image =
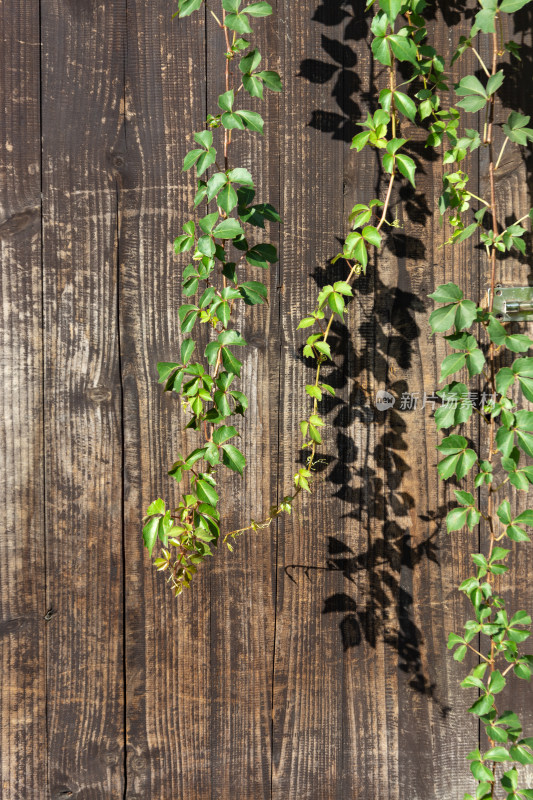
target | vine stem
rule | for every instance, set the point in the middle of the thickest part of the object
(354, 269)
(491, 350)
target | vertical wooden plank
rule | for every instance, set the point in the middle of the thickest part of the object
(379, 576)
(514, 198)
(435, 731)
(308, 733)
(83, 68)
(243, 583)
(198, 669)
(22, 596)
(167, 640)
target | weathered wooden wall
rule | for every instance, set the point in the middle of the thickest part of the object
(310, 664)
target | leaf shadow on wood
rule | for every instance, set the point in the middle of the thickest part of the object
(370, 481)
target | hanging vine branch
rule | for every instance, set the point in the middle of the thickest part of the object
(188, 532)
(222, 255)
(480, 342)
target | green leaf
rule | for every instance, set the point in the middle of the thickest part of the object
(510, 6)
(472, 103)
(241, 175)
(381, 52)
(456, 519)
(403, 48)
(504, 512)
(157, 507)
(165, 369)
(258, 10)
(206, 160)
(407, 167)
(520, 754)
(504, 379)
(191, 158)
(187, 349)
(271, 80)
(206, 492)
(447, 293)
(253, 85)
(252, 120)
(150, 533)
(231, 363)
(232, 121)
(253, 292)
(443, 318)
(260, 255)
(497, 754)
(233, 458)
(238, 23)
(516, 129)
(222, 434)
(391, 8)
(480, 771)
(251, 61)
(466, 314)
(231, 338)
(215, 184)
(336, 303)
(226, 100)
(475, 361)
(371, 235)
(461, 236)
(496, 684)
(228, 229)
(451, 364)
(470, 85)
(494, 82)
(187, 7)
(482, 706)
(207, 223)
(205, 138)
(405, 105)
(526, 517)
(227, 198)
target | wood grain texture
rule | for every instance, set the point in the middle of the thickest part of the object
(167, 642)
(82, 120)
(241, 645)
(308, 737)
(311, 662)
(22, 595)
(514, 192)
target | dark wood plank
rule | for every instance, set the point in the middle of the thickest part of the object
(388, 724)
(514, 193)
(435, 731)
(308, 731)
(22, 596)
(83, 70)
(243, 583)
(167, 640)
(212, 739)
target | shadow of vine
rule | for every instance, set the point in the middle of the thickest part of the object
(371, 482)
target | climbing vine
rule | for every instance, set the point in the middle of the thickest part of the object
(488, 352)
(413, 83)
(207, 389)
(217, 282)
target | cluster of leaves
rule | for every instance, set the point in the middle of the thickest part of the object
(477, 339)
(399, 38)
(221, 275)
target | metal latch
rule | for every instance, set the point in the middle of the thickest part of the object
(513, 303)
